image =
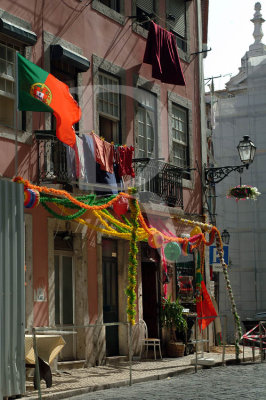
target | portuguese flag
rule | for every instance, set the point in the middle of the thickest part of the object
(40, 91)
(205, 308)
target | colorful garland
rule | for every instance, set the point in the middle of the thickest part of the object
(134, 231)
(132, 260)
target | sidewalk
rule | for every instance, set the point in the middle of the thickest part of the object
(75, 382)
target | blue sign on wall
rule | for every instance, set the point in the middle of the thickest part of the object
(214, 257)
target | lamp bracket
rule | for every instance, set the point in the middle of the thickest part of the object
(216, 175)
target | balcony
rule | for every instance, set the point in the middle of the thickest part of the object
(155, 180)
(52, 167)
(159, 182)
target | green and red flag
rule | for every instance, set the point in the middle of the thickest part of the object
(205, 307)
(38, 90)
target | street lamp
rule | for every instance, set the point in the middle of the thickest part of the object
(225, 236)
(246, 150)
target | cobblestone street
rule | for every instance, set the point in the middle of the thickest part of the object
(246, 381)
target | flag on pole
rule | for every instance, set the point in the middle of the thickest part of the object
(205, 307)
(38, 90)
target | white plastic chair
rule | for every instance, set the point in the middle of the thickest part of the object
(149, 342)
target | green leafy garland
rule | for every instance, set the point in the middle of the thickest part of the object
(132, 259)
(89, 199)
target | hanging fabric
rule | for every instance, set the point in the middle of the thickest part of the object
(104, 153)
(161, 52)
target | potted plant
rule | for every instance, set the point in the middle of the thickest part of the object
(243, 192)
(172, 319)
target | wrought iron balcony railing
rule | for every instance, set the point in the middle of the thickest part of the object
(52, 163)
(159, 182)
(156, 180)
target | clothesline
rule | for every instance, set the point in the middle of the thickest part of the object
(98, 164)
(161, 19)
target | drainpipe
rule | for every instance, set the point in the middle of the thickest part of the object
(203, 125)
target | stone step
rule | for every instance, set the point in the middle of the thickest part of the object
(206, 362)
(73, 364)
(116, 360)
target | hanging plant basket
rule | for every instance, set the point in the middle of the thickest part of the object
(243, 192)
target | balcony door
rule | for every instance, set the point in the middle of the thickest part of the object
(64, 300)
(110, 295)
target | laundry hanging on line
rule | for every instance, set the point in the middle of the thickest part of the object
(161, 52)
(95, 161)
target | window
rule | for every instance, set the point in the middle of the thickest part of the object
(176, 21)
(108, 106)
(64, 289)
(144, 8)
(146, 124)
(180, 137)
(113, 4)
(7, 84)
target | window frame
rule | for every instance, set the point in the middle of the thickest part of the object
(110, 12)
(49, 39)
(115, 121)
(65, 76)
(185, 104)
(137, 26)
(116, 80)
(183, 51)
(17, 116)
(102, 66)
(155, 89)
(147, 109)
(180, 143)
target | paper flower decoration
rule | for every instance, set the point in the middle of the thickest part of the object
(195, 231)
(31, 198)
(121, 206)
(155, 240)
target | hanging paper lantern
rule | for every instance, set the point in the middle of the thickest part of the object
(121, 206)
(172, 251)
(31, 198)
(195, 231)
(155, 240)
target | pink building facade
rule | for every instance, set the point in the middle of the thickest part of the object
(97, 48)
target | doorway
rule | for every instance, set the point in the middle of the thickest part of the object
(110, 294)
(150, 271)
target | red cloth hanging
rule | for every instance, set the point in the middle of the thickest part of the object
(161, 52)
(104, 153)
(125, 155)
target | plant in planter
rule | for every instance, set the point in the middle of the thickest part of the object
(172, 318)
(243, 192)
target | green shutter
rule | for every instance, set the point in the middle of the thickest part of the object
(177, 8)
(146, 5)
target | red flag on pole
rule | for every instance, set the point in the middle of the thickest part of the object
(205, 308)
(40, 91)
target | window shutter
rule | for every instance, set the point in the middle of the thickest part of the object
(177, 8)
(145, 5)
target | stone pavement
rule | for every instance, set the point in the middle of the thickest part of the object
(69, 383)
(234, 382)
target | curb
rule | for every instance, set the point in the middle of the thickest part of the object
(89, 389)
